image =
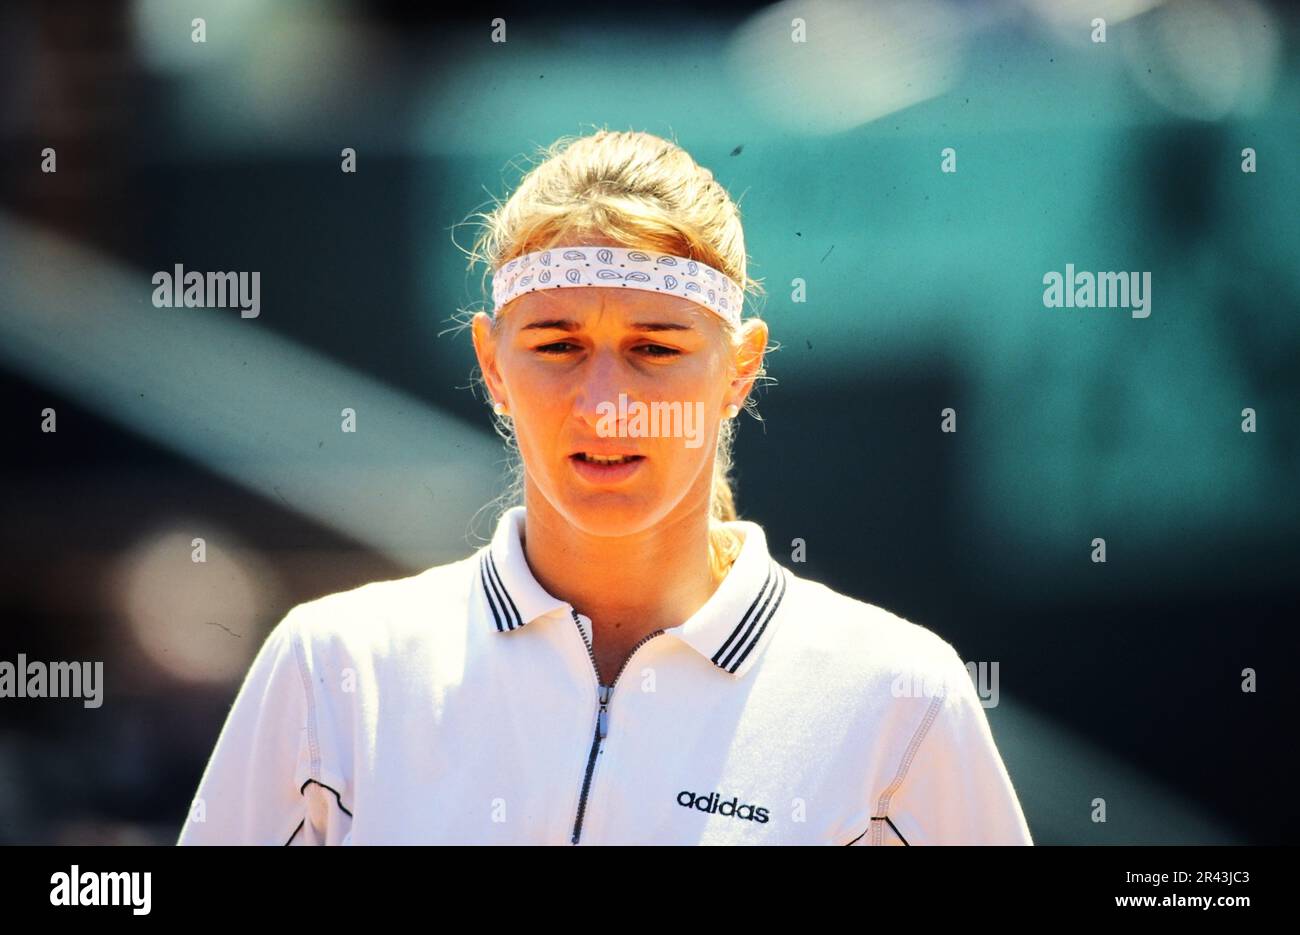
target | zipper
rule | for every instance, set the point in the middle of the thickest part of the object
(604, 693)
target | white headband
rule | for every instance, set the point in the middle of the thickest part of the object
(565, 267)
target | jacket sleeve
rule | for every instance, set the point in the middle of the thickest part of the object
(252, 789)
(955, 789)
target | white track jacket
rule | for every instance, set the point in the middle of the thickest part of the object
(461, 705)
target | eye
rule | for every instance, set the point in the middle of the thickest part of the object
(659, 350)
(558, 347)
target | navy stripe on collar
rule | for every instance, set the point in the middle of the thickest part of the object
(503, 606)
(749, 630)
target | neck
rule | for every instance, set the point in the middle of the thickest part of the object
(629, 586)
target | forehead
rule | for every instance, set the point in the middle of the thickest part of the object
(586, 306)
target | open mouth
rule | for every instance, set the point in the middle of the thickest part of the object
(606, 469)
(588, 458)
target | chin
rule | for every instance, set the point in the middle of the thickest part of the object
(610, 514)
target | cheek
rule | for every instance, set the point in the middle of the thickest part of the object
(537, 390)
(689, 449)
(526, 370)
(699, 378)
(540, 419)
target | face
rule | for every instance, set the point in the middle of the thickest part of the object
(623, 373)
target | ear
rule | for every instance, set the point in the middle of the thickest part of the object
(749, 349)
(485, 348)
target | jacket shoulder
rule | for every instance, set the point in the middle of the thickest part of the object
(838, 617)
(866, 642)
(386, 615)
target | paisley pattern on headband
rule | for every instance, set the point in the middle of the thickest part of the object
(566, 267)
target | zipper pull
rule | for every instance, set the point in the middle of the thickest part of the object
(602, 719)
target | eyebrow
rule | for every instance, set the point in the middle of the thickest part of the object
(568, 324)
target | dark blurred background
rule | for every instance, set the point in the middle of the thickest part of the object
(924, 291)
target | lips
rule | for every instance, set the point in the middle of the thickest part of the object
(607, 468)
(593, 457)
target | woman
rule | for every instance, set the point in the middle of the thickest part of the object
(625, 661)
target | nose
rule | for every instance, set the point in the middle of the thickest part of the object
(601, 381)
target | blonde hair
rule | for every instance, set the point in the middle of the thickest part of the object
(639, 191)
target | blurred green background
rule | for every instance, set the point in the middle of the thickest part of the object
(924, 291)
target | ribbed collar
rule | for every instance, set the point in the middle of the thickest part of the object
(731, 630)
